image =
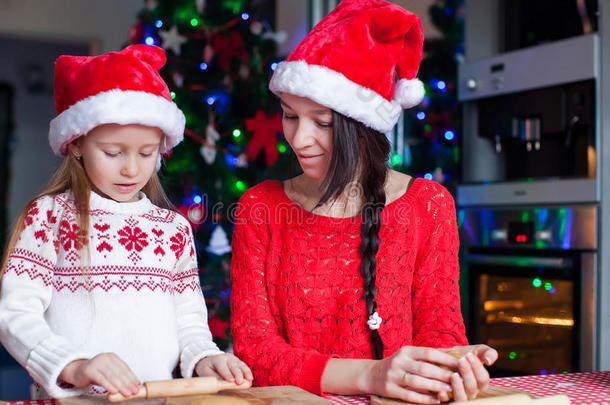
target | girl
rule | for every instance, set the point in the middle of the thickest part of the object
(345, 278)
(100, 284)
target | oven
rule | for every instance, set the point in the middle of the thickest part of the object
(531, 276)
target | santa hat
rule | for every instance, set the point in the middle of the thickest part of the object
(114, 88)
(348, 63)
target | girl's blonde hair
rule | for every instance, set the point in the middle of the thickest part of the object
(71, 175)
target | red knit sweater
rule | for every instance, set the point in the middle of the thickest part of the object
(297, 288)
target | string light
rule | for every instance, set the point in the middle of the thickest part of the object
(172, 94)
(158, 23)
(203, 66)
(273, 66)
(245, 16)
(428, 176)
(197, 199)
(281, 148)
(211, 100)
(194, 22)
(149, 41)
(548, 286)
(449, 135)
(240, 185)
(236, 133)
(537, 282)
(421, 115)
(396, 159)
(231, 160)
(512, 355)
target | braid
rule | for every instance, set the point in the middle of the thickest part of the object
(373, 181)
(359, 149)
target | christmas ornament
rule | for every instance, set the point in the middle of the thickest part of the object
(219, 243)
(439, 122)
(264, 130)
(208, 151)
(208, 53)
(136, 33)
(242, 160)
(439, 175)
(244, 71)
(151, 4)
(200, 5)
(178, 79)
(279, 37)
(256, 27)
(172, 40)
(194, 213)
(228, 47)
(218, 327)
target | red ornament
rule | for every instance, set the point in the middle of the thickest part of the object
(195, 213)
(136, 33)
(264, 130)
(439, 123)
(228, 47)
(218, 327)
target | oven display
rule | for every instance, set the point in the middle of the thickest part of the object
(521, 232)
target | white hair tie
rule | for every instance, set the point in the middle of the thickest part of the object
(374, 321)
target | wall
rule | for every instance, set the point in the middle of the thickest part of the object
(106, 22)
(36, 32)
(292, 17)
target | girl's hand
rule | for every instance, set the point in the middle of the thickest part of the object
(105, 369)
(472, 377)
(413, 374)
(225, 366)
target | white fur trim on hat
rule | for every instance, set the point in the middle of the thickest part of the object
(408, 93)
(117, 107)
(332, 89)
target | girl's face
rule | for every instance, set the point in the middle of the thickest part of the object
(308, 128)
(119, 159)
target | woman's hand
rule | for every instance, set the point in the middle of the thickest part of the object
(106, 369)
(225, 366)
(471, 377)
(413, 374)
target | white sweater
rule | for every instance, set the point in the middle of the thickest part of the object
(140, 298)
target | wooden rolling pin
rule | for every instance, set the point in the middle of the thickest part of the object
(181, 387)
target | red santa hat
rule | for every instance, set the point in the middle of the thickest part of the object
(349, 61)
(114, 88)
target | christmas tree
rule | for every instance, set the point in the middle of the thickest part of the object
(221, 54)
(220, 57)
(432, 128)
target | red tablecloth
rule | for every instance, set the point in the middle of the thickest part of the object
(581, 388)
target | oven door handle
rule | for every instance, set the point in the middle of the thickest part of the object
(520, 261)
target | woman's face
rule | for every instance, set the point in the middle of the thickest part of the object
(119, 159)
(308, 128)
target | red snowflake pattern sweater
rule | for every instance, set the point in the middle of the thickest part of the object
(297, 289)
(139, 297)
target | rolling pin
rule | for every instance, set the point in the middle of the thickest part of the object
(181, 387)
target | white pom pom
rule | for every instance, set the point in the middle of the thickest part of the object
(408, 93)
(374, 321)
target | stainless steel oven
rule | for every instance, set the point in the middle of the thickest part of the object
(531, 274)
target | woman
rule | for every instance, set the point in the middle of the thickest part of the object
(345, 278)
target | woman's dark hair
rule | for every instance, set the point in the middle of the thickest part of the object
(361, 154)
